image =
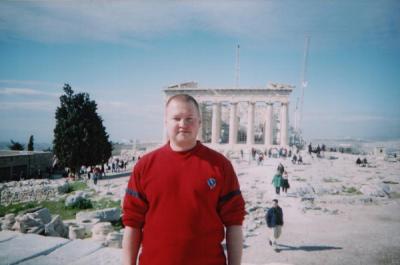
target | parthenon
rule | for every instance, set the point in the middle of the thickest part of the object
(240, 117)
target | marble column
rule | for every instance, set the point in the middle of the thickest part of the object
(250, 123)
(268, 125)
(164, 133)
(200, 133)
(284, 124)
(216, 123)
(233, 124)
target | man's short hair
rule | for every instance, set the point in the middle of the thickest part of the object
(184, 98)
(275, 200)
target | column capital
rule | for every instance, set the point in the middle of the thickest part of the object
(284, 103)
(233, 102)
(269, 103)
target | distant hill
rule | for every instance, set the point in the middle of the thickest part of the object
(37, 146)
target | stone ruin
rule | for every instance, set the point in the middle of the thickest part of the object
(31, 190)
(96, 225)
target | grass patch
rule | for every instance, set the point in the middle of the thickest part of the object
(106, 203)
(58, 207)
(117, 225)
(352, 190)
(16, 208)
(76, 185)
(82, 204)
(79, 185)
(55, 207)
(394, 195)
(330, 180)
(300, 179)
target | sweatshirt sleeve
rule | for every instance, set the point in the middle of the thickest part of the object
(135, 204)
(231, 203)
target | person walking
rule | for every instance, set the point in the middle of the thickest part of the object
(277, 182)
(96, 175)
(281, 168)
(285, 182)
(275, 222)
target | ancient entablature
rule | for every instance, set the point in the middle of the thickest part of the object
(271, 103)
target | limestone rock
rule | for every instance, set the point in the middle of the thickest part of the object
(88, 224)
(8, 222)
(104, 215)
(56, 227)
(374, 191)
(101, 230)
(63, 188)
(44, 215)
(73, 199)
(29, 223)
(114, 239)
(76, 232)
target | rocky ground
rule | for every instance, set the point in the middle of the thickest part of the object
(335, 213)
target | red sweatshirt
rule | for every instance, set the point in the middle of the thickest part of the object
(182, 201)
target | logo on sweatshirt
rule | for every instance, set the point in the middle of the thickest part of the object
(211, 183)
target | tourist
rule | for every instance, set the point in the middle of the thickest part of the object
(285, 182)
(181, 197)
(275, 222)
(277, 182)
(280, 169)
(257, 158)
(260, 158)
(96, 175)
(358, 161)
(294, 159)
(300, 160)
(241, 153)
(310, 150)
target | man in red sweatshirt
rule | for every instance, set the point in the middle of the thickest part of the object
(183, 199)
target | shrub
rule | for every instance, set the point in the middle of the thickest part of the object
(82, 203)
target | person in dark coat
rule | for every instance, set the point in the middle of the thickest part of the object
(285, 182)
(274, 220)
(281, 168)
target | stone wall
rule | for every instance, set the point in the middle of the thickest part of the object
(30, 190)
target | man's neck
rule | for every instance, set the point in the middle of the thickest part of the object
(182, 148)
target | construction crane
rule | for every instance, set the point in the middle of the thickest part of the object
(303, 84)
(237, 67)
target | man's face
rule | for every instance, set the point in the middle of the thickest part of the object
(182, 122)
(274, 204)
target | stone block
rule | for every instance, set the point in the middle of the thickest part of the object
(76, 232)
(114, 239)
(104, 215)
(104, 256)
(56, 227)
(101, 230)
(24, 247)
(72, 251)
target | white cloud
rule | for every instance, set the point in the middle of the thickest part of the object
(128, 111)
(26, 92)
(348, 117)
(133, 22)
(29, 105)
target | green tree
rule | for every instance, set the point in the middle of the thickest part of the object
(79, 135)
(16, 146)
(30, 143)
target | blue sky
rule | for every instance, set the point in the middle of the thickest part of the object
(124, 53)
